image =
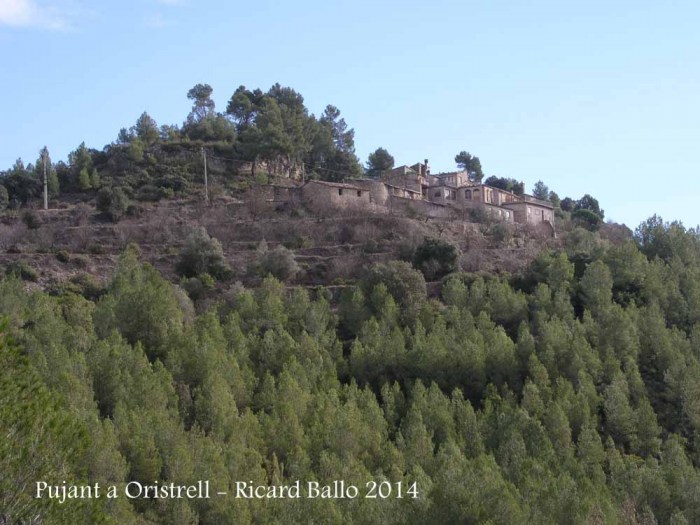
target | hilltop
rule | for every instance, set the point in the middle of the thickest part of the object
(147, 187)
(71, 243)
(301, 317)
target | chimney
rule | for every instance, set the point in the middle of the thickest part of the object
(427, 167)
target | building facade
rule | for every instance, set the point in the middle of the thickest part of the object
(320, 195)
(416, 188)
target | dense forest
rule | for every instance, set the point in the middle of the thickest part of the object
(566, 393)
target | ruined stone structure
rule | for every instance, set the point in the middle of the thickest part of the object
(409, 178)
(414, 188)
(454, 189)
(320, 195)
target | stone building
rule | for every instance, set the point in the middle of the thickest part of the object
(530, 210)
(416, 178)
(380, 192)
(453, 178)
(415, 188)
(454, 189)
(319, 195)
(405, 177)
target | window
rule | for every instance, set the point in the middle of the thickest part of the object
(438, 194)
(468, 194)
(340, 191)
(359, 193)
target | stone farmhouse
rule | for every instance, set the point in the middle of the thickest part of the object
(441, 195)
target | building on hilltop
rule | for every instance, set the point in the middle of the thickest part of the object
(530, 210)
(452, 178)
(456, 190)
(414, 187)
(416, 178)
(320, 195)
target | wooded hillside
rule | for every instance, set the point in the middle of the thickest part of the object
(565, 393)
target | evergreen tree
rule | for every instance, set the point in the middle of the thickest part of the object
(378, 162)
(470, 164)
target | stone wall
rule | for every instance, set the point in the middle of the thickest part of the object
(378, 192)
(421, 207)
(531, 213)
(320, 196)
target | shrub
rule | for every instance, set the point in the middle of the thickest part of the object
(207, 281)
(135, 210)
(435, 258)
(197, 287)
(278, 262)
(298, 242)
(63, 256)
(63, 288)
(4, 198)
(262, 178)
(193, 287)
(202, 254)
(112, 202)
(152, 193)
(406, 285)
(22, 270)
(148, 192)
(500, 232)
(89, 286)
(174, 180)
(478, 215)
(31, 220)
(81, 261)
(586, 218)
(81, 214)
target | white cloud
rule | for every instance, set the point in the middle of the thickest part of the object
(27, 13)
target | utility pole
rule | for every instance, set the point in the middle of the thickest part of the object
(44, 156)
(206, 182)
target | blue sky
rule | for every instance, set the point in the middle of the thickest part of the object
(590, 96)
